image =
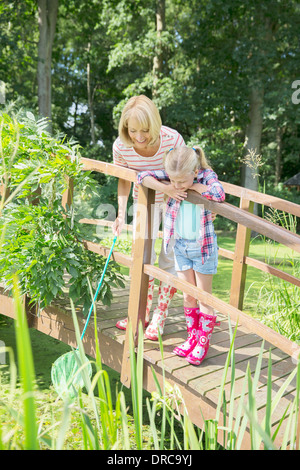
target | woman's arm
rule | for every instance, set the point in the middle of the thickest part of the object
(124, 187)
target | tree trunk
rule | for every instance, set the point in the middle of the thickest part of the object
(158, 58)
(253, 139)
(47, 16)
(90, 98)
(278, 166)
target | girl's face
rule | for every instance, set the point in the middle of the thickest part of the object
(139, 135)
(183, 182)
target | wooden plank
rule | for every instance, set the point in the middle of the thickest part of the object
(198, 385)
(102, 250)
(131, 175)
(281, 367)
(262, 266)
(109, 169)
(253, 222)
(6, 304)
(261, 198)
(271, 270)
(226, 253)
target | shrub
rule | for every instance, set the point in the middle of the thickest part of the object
(41, 240)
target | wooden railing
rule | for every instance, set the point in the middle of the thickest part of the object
(141, 269)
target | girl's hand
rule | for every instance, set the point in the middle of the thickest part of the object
(176, 194)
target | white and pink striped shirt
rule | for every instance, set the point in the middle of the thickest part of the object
(128, 157)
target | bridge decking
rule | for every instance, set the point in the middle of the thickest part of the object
(199, 385)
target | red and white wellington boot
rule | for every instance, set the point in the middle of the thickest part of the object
(160, 313)
(122, 324)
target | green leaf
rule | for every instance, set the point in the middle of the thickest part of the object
(66, 375)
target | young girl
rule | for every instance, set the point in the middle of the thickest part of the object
(195, 250)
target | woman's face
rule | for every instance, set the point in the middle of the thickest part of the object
(139, 135)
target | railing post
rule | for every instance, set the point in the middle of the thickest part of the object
(239, 269)
(31, 312)
(141, 254)
(67, 197)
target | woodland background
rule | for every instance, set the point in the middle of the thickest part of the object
(225, 74)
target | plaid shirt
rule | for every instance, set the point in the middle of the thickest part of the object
(215, 192)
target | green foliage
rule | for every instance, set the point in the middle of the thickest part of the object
(212, 54)
(42, 241)
(27, 373)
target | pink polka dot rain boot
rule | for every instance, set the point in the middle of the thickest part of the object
(206, 326)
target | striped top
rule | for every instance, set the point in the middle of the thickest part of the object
(128, 157)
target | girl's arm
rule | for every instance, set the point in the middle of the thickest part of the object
(209, 186)
(159, 181)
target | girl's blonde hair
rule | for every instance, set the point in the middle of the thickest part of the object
(146, 113)
(184, 160)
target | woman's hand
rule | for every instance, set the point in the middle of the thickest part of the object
(117, 226)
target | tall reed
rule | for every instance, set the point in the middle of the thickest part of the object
(105, 426)
(279, 301)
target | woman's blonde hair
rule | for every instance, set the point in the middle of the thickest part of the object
(184, 160)
(146, 113)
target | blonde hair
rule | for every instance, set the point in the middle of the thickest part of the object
(184, 160)
(144, 110)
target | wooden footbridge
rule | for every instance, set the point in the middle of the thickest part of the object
(200, 386)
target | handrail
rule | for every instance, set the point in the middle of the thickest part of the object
(234, 190)
(103, 251)
(261, 198)
(109, 169)
(253, 222)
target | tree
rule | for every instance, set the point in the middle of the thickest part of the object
(47, 16)
(18, 45)
(158, 60)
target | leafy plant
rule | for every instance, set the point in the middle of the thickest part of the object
(279, 300)
(41, 240)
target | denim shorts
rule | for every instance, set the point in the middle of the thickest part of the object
(188, 256)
